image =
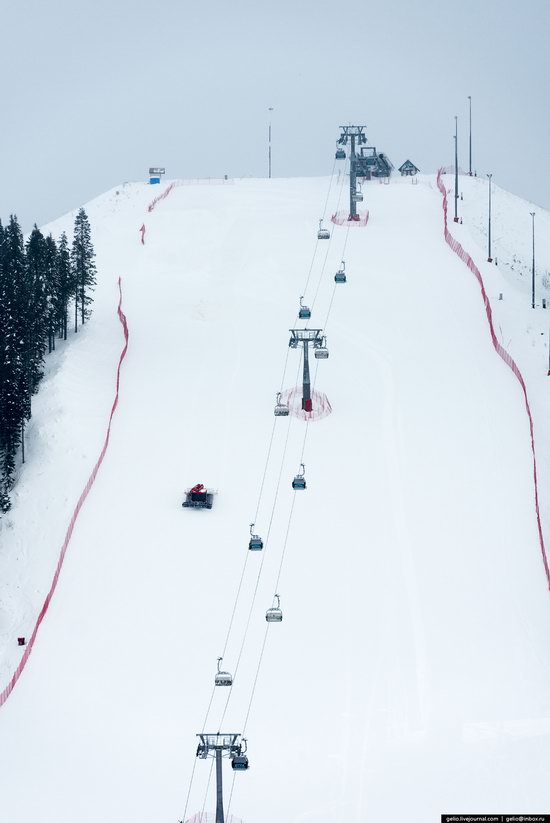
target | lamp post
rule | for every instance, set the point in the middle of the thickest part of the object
(470, 158)
(456, 170)
(269, 143)
(532, 213)
(489, 258)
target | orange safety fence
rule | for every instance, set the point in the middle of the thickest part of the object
(502, 353)
(30, 645)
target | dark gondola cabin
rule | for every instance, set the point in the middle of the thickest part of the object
(239, 763)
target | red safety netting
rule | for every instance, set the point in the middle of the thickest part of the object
(160, 197)
(501, 351)
(341, 218)
(29, 647)
(320, 404)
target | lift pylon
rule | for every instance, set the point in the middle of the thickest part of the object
(222, 745)
(305, 337)
(356, 135)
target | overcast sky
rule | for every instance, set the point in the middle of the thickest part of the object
(96, 91)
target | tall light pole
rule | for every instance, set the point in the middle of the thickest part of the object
(456, 169)
(470, 163)
(269, 143)
(489, 258)
(532, 213)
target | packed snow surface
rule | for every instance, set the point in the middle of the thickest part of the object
(410, 675)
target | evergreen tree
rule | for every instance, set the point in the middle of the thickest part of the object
(83, 266)
(35, 299)
(37, 282)
(12, 398)
(65, 285)
(52, 290)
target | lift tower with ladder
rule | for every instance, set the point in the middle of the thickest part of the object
(356, 135)
(305, 337)
(222, 745)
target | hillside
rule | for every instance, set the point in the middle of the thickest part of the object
(410, 674)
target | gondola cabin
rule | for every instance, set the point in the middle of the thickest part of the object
(274, 614)
(281, 409)
(255, 544)
(323, 234)
(299, 481)
(304, 312)
(222, 678)
(340, 276)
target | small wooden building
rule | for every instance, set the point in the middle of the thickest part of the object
(408, 169)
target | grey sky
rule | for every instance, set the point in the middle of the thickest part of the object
(94, 92)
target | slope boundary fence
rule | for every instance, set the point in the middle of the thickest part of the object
(203, 181)
(210, 817)
(153, 204)
(81, 500)
(341, 218)
(502, 353)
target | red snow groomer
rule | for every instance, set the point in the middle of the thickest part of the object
(198, 497)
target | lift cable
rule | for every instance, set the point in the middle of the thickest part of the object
(231, 794)
(267, 625)
(329, 187)
(267, 537)
(304, 290)
(266, 632)
(207, 787)
(335, 286)
(328, 250)
(258, 576)
(189, 789)
(235, 606)
(286, 535)
(247, 551)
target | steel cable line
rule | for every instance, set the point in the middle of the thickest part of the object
(266, 465)
(207, 787)
(280, 474)
(336, 284)
(289, 522)
(267, 536)
(231, 794)
(256, 586)
(236, 602)
(323, 217)
(311, 266)
(189, 789)
(195, 758)
(328, 247)
(329, 187)
(267, 625)
(258, 577)
(264, 643)
(247, 551)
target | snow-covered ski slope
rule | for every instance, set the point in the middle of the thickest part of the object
(411, 673)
